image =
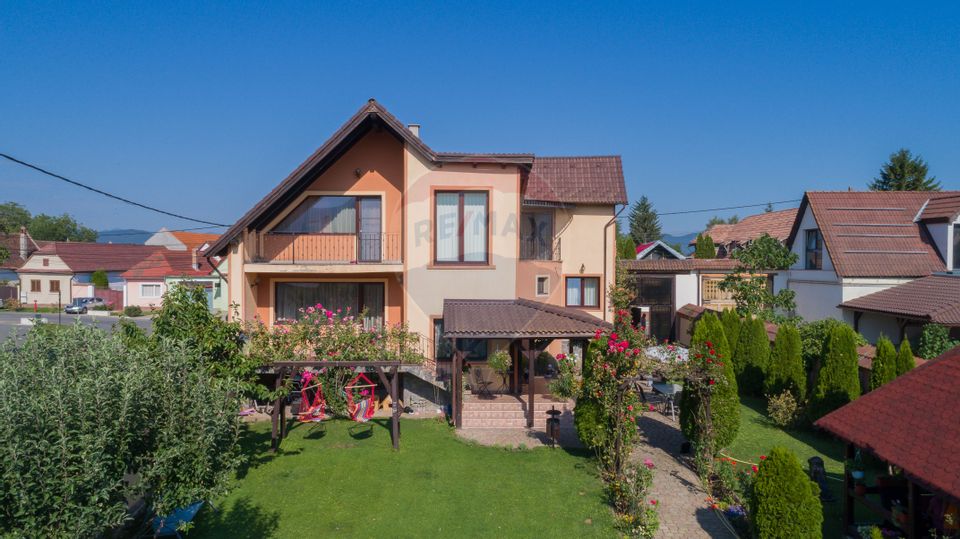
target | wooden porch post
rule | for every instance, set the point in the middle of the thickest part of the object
(530, 371)
(456, 389)
(847, 489)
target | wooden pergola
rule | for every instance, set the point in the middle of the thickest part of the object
(284, 370)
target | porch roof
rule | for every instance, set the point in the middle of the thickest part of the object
(516, 319)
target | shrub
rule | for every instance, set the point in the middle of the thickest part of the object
(905, 361)
(838, 382)
(884, 368)
(935, 340)
(725, 404)
(751, 356)
(500, 362)
(132, 310)
(786, 372)
(636, 516)
(813, 340)
(99, 279)
(705, 248)
(566, 385)
(731, 326)
(785, 503)
(588, 419)
(782, 409)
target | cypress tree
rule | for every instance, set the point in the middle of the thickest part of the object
(731, 326)
(705, 248)
(786, 372)
(785, 502)
(751, 357)
(884, 368)
(839, 380)
(724, 405)
(905, 360)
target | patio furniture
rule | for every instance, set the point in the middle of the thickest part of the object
(482, 384)
(670, 394)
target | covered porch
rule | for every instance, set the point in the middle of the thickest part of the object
(528, 327)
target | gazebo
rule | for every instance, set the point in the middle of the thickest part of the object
(530, 323)
(910, 423)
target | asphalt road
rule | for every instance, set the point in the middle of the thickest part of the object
(10, 321)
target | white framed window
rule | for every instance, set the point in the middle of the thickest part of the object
(543, 285)
(461, 227)
(151, 290)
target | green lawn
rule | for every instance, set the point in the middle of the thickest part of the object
(343, 480)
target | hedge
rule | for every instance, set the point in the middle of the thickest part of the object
(731, 326)
(725, 405)
(905, 361)
(786, 372)
(785, 503)
(838, 381)
(751, 357)
(884, 368)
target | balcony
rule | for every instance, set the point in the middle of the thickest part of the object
(540, 249)
(325, 249)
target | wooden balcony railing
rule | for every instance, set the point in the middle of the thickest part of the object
(540, 249)
(363, 248)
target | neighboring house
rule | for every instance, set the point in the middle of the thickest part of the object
(19, 247)
(851, 244)
(657, 250)
(147, 282)
(377, 220)
(176, 240)
(729, 238)
(60, 271)
(213, 283)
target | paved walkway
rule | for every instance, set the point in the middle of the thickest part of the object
(683, 510)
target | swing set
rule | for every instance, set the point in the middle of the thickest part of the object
(361, 406)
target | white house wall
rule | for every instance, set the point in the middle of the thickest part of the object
(872, 326)
(686, 290)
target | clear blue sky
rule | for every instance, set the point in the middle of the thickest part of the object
(201, 108)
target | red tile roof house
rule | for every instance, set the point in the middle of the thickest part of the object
(19, 247)
(910, 423)
(854, 244)
(178, 240)
(60, 271)
(376, 219)
(147, 281)
(728, 238)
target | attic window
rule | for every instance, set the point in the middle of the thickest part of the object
(956, 247)
(46, 261)
(814, 250)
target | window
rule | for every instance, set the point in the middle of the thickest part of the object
(150, 290)
(54, 285)
(35, 285)
(536, 236)
(46, 262)
(292, 297)
(460, 228)
(332, 215)
(583, 291)
(814, 250)
(956, 248)
(475, 349)
(543, 285)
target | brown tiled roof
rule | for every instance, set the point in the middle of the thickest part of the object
(11, 242)
(194, 240)
(873, 233)
(935, 298)
(691, 311)
(577, 180)
(88, 257)
(944, 207)
(166, 263)
(910, 423)
(515, 318)
(669, 265)
(775, 223)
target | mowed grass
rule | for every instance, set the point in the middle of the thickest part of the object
(341, 479)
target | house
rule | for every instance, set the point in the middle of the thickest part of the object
(60, 271)
(730, 237)
(148, 280)
(657, 250)
(178, 240)
(852, 244)
(19, 247)
(377, 220)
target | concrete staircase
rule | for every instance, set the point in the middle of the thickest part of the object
(507, 412)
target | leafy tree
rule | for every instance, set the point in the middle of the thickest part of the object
(785, 503)
(4, 254)
(731, 326)
(905, 361)
(749, 283)
(644, 222)
(935, 340)
(705, 247)
(752, 356)
(884, 368)
(786, 372)
(904, 172)
(12, 217)
(63, 228)
(838, 382)
(100, 279)
(725, 403)
(626, 248)
(717, 220)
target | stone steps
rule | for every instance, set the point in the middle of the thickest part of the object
(508, 413)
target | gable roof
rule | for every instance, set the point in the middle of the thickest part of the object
(194, 240)
(873, 233)
(167, 263)
(11, 242)
(577, 180)
(935, 298)
(646, 248)
(666, 265)
(910, 423)
(515, 318)
(775, 223)
(88, 257)
(944, 207)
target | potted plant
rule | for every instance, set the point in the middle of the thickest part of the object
(501, 363)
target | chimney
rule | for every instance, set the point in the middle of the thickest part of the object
(415, 129)
(24, 246)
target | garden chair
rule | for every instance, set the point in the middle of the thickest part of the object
(483, 385)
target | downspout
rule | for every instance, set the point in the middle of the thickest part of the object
(605, 228)
(216, 269)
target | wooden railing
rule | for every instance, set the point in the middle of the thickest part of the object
(540, 249)
(364, 248)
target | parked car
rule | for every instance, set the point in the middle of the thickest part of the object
(82, 305)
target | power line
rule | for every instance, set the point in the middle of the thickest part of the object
(104, 193)
(728, 207)
(142, 232)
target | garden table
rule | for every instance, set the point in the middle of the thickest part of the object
(669, 391)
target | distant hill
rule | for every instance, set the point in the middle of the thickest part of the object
(123, 235)
(682, 239)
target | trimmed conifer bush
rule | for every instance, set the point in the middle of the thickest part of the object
(786, 371)
(838, 382)
(731, 326)
(704, 247)
(905, 361)
(725, 404)
(785, 502)
(884, 368)
(751, 357)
